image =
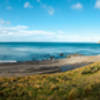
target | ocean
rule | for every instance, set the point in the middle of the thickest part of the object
(33, 51)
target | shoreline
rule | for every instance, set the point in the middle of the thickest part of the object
(46, 66)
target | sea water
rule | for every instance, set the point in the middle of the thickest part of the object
(32, 51)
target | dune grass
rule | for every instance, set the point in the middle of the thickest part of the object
(79, 84)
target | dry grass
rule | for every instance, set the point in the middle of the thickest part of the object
(79, 84)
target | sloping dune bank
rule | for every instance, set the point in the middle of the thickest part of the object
(78, 84)
(49, 66)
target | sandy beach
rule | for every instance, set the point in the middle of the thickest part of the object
(47, 66)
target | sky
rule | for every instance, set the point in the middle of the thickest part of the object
(49, 20)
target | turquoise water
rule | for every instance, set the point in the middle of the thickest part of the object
(42, 51)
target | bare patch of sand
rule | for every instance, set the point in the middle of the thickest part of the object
(49, 66)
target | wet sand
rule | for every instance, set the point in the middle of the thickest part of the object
(47, 66)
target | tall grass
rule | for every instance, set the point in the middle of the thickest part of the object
(79, 84)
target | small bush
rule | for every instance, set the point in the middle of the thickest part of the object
(91, 70)
(86, 71)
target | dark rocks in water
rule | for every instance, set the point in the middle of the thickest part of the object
(61, 54)
(52, 58)
(73, 55)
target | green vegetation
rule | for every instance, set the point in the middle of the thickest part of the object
(79, 84)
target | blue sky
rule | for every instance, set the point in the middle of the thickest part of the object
(50, 20)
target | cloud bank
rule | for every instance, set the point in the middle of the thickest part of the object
(23, 33)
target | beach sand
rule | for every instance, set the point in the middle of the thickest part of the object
(47, 66)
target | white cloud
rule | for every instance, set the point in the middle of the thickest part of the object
(60, 32)
(27, 5)
(3, 22)
(13, 28)
(9, 8)
(77, 6)
(97, 5)
(51, 10)
(22, 27)
(23, 33)
(21, 30)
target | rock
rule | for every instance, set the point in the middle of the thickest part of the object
(73, 55)
(61, 54)
(52, 57)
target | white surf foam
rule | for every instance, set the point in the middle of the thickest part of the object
(8, 61)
